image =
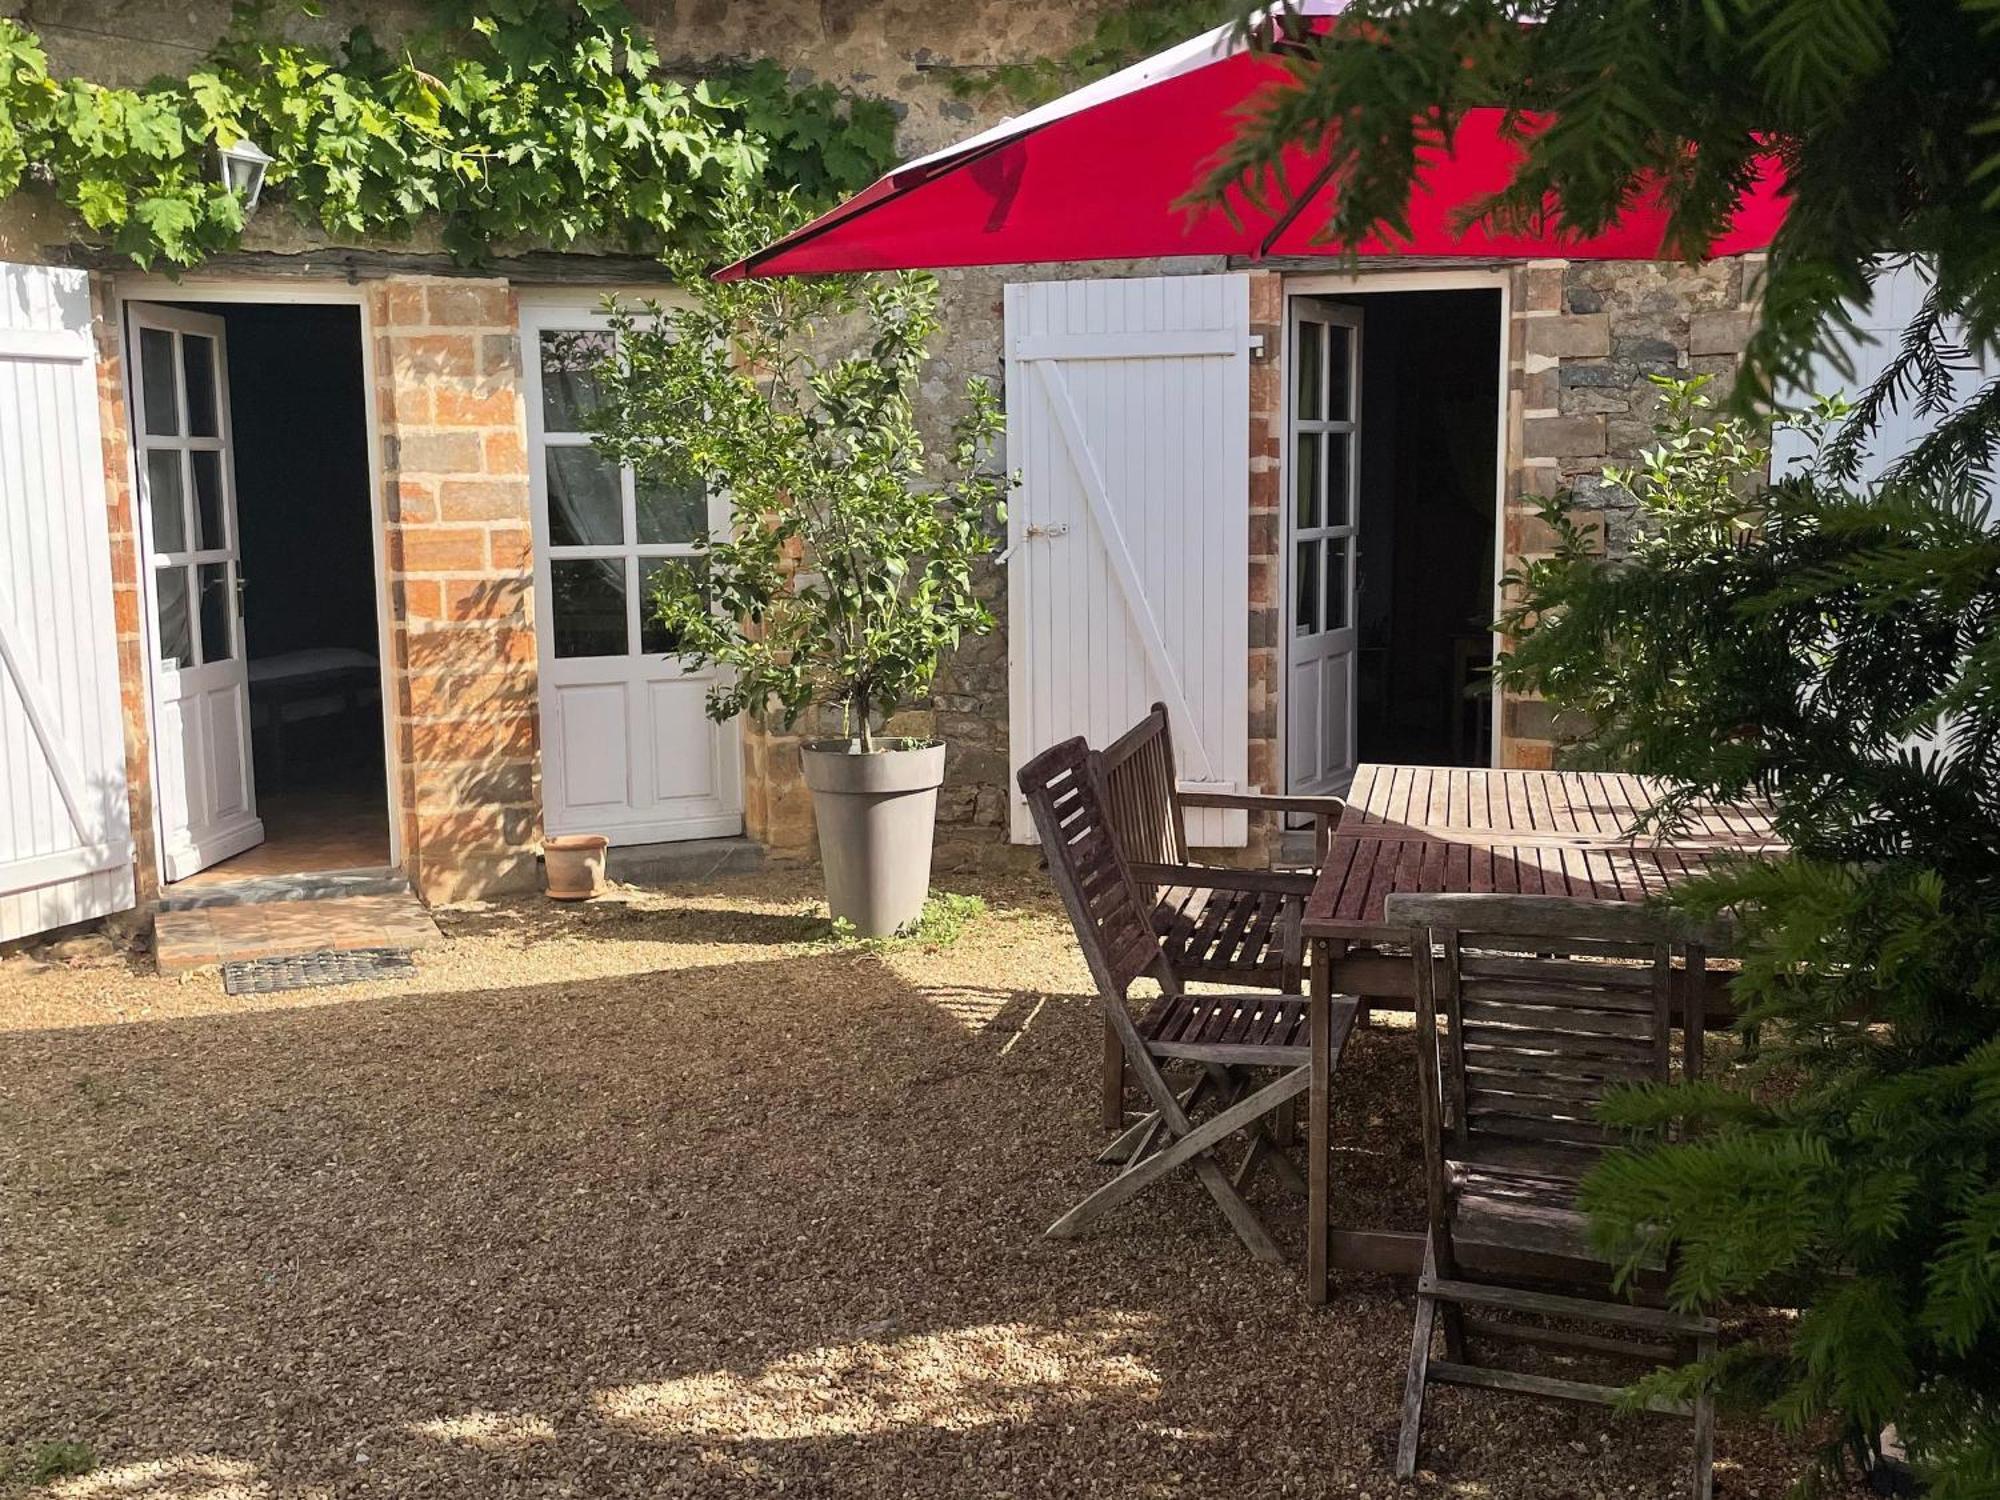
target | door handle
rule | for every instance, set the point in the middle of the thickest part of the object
(1034, 530)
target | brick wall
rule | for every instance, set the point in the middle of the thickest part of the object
(460, 557)
(1267, 529)
(1583, 340)
(134, 667)
(777, 807)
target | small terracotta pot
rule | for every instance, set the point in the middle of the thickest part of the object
(573, 865)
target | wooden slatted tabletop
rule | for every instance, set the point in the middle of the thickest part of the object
(1556, 833)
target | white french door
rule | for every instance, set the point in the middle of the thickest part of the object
(187, 519)
(1323, 456)
(628, 749)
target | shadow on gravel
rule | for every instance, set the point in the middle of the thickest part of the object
(758, 1229)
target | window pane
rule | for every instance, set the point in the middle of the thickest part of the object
(1341, 340)
(1311, 351)
(163, 488)
(198, 356)
(1305, 589)
(670, 512)
(1336, 584)
(218, 641)
(1336, 478)
(569, 384)
(156, 375)
(1305, 478)
(586, 508)
(176, 628)
(677, 574)
(209, 534)
(589, 611)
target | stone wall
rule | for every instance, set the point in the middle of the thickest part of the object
(969, 708)
(909, 51)
(460, 561)
(1586, 339)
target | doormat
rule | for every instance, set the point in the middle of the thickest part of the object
(304, 971)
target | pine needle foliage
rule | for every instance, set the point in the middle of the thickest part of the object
(1835, 648)
(1885, 113)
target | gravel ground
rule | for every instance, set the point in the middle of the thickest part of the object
(664, 1197)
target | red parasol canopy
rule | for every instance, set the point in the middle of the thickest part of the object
(1101, 173)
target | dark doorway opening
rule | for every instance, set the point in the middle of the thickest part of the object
(311, 636)
(1428, 491)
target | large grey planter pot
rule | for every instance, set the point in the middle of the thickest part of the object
(876, 815)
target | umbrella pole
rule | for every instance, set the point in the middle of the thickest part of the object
(1290, 215)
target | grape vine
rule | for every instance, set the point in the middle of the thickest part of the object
(510, 122)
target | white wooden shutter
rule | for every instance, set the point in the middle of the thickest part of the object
(65, 829)
(1898, 297)
(1128, 419)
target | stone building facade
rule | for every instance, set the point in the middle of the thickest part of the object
(452, 431)
(1587, 340)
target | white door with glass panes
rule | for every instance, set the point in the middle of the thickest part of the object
(187, 521)
(1325, 434)
(628, 749)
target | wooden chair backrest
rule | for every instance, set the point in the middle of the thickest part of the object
(1065, 792)
(1546, 1004)
(1141, 794)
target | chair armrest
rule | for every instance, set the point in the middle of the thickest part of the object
(1266, 802)
(1324, 811)
(1224, 878)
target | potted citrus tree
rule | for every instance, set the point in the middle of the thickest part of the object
(848, 570)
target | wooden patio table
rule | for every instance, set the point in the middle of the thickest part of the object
(1426, 828)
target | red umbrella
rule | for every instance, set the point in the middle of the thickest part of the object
(1101, 174)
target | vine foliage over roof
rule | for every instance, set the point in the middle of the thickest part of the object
(1120, 36)
(537, 121)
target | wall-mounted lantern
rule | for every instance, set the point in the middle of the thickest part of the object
(240, 168)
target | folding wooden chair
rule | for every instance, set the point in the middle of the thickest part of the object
(1545, 1005)
(1149, 805)
(1217, 923)
(1226, 1037)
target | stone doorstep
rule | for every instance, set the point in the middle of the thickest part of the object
(690, 859)
(203, 937)
(1295, 849)
(322, 886)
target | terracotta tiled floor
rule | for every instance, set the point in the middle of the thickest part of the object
(273, 929)
(306, 833)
